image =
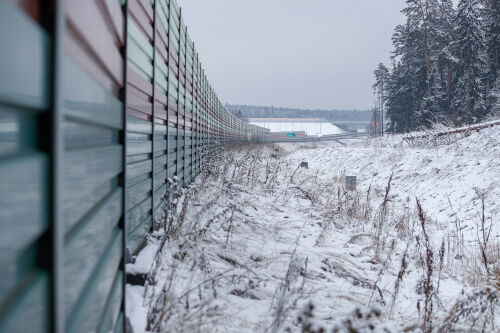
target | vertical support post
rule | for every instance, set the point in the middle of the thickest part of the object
(216, 115)
(212, 113)
(207, 113)
(123, 139)
(185, 78)
(219, 119)
(167, 195)
(211, 117)
(382, 109)
(216, 112)
(52, 12)
(203, 119)
(153, 119)
(177, 155)
(208, 126)
(194, 121)
(199, 114)
(205, 116)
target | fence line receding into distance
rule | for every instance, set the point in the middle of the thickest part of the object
(101, 101)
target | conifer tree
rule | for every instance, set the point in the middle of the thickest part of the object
(408, 82)
(469, 97)
(446, 64)
(494, 97)
(444, 60)
(380, 91)
(432, 109)
(491, 23)
(491, 26)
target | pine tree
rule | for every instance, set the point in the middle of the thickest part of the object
(408, 81)
(422, 51)
(399, 111)
(469, 99)
(491, 23)
(380, 90)
(432, 109)
(436, 21)
(444, 60)
(494, 97)
(420, 17)
(491, 26)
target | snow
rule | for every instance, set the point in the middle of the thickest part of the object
(143, 261)
(136, 307)
(311, 128)
(443, 177)
(258, 242)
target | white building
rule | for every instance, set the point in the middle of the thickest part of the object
(312, 126)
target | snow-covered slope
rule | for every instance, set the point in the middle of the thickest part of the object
(444, 176)
(260, 244)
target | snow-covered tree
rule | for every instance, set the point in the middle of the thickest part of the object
(379, 89)
(400, 111)
(435, 103)
(445, 63)
(432, 109)
(494, 97)
(491, 24)
(469, 97)
(408, 81)
(444, 60)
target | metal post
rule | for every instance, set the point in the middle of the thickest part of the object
(153, 120)
(200, 115)
(178, 92)
(123, 138)
(193, 122)
(53, 13)
(167, 196)
(382, 114)
(185, 77)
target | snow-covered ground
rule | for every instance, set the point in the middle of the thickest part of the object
(260, 244)
(311, 128)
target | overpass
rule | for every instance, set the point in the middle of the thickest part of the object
(353, 126)
(332, 137)
(105, 113)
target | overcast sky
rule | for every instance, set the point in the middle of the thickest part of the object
(293, 53)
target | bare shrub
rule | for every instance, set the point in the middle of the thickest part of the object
(381, 218)
(399, 279)
(428, 267)
(474, 312)
(483, 231)
(289, 291)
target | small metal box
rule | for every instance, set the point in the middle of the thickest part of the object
(350, 183)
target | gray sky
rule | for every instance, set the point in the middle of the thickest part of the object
(293, 53)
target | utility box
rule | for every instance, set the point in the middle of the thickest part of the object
(350, 183)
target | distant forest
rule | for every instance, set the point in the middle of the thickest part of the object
(252, 111)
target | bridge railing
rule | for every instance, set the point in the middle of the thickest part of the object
(101, 103)
(329, 137)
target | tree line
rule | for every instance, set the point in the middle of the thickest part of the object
(445, 66)
(253, 111)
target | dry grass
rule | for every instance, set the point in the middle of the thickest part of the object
(400, 239)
